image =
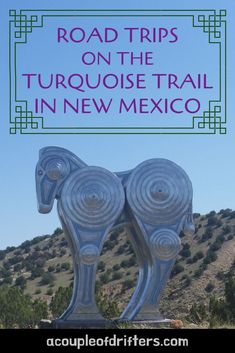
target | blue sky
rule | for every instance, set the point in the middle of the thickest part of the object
(208, 160)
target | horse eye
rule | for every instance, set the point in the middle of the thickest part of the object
(54, 173)
(56, 169)
(40, 172)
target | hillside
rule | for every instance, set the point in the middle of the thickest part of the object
(42, 265)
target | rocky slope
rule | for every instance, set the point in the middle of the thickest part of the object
(43, 264)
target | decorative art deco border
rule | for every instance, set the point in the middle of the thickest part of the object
(23, 121)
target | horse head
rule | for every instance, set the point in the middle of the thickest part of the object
(53, 167)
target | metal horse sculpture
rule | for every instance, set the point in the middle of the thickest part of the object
(154, 203)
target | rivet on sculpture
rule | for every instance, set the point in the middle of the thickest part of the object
(153, 201)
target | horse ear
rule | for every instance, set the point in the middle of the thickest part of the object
(61, 152)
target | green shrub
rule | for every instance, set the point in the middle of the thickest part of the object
(25, 244)
(219, 311)
(65, 266)
(116, 267)
(5, 272)
(211, 214)
(15, 259)
(60, 300)
(62, 296)
(132, 261)
(186, 246)
(47, 278)
(63, 243)
(187, 280)
(185, 253)
(128, 248)
(215, 246)
(37, 272)
(7, 280)
(10, 248)
(205, 237)
(127, 284)
(128, 262)
(101, 266)
(18, 267)
(209, 288)
(230, 294)
(40, 262)
(227, 229)
(109, 245)
(220, 276)
(37, 239)
(223, 310)
(220, 238)
(212, 221)
(117, 275)
(108, 306)
(121, 249)
(199, 255)
(109, 271)
(232, 215)
(20, 282)
(58, 268)
(219, 223)
(210, 257)
(177, 269)
(57, 231)
(62, 252)
(104, 278)
(18, 310)
(225, 213)
(49, 291)
(114, 235)
(125, 263)
(200, 270)
(2, 254)
(6, 265)
(181, 235)
(51, 268)
(198, 313)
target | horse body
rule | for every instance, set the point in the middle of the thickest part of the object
(153, 202)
